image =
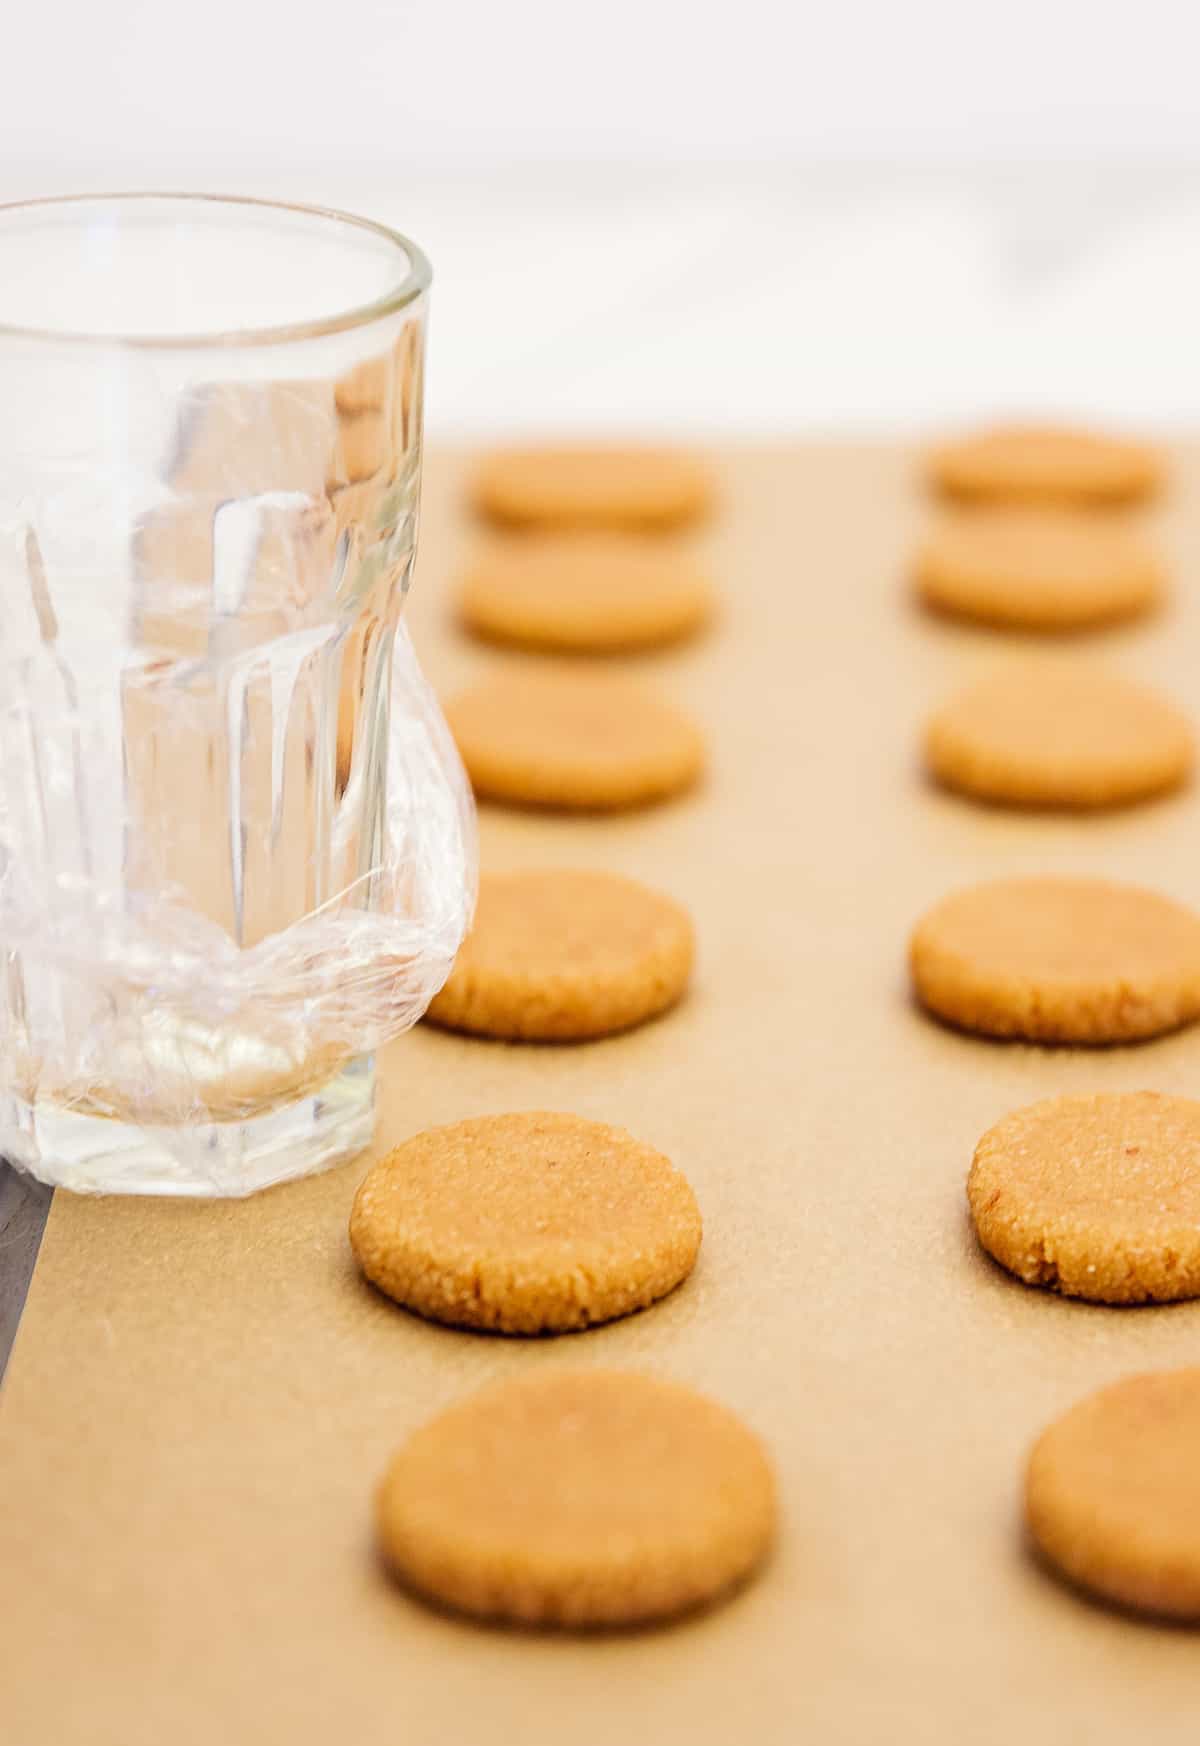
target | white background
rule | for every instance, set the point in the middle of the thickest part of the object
(403, 83)
(754, 215)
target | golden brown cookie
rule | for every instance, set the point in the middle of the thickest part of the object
(1112, 1493)
(1037, 569)
(584, 485)
(1059, 732)
(1098, 1197)
(588, 593)
(1059, 961)
(558, 956)
(525, 1224)
(578, 1497)
(571, 738)
(1030, 463)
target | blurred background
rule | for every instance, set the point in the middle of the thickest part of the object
(754, 217)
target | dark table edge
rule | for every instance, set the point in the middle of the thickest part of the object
(24, 1205)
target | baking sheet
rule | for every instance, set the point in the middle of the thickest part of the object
(202, 1397)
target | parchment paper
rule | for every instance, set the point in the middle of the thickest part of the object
(203, 1396)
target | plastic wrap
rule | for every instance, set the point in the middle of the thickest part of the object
(142, 1011)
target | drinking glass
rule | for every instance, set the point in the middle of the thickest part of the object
(235, 849)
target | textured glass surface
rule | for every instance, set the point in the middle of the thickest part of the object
(235, 845)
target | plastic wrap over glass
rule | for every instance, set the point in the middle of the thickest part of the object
(236, 844)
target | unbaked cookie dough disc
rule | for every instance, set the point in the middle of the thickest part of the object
(1037, 570)
(1029, 463)
(589, 485)
(1058, 732)
(1059, 961)
(561, 956)
(1112, 1494)
(1097, 1197)
(547, 735)
(525, 1224)
(578, 1498)
(589, 593)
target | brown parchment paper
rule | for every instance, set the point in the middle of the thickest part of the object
(203, 1396)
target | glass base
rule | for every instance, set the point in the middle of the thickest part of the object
(96, 1155)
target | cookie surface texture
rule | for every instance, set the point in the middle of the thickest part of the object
(593, 486)
(1112, 1494)
(1059, 960)
(1096, 1196)
(1030, 463)
(1059, 733)
(578, 1498)
(1037, 570)
(560, 956)
(525, 1224)
(548, 736)
(584, 593)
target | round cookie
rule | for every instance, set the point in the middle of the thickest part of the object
(525, 1224)
(572, 739)
(580, 1498)
(593, 486)
(585, 594)
(559, 956)
(1098, 1197)
(1029, 463)
(1050, 732)
(1059, 961)
(1112, 1493)
(1036, 569)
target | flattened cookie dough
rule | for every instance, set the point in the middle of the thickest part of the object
(578, 485)
(584, 593)
(1037, 570)
(578, 1498)
(559, 956)
(1032, 463)
(525, 1224)
(552, 736)
(1098, 1197)
(1112, 1494)
(1059, 961)
(1058, 732)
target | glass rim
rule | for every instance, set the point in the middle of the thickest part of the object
(415, 281)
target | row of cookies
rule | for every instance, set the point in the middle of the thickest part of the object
(581, 1497)
(557, 956)
(1026, 549)
(1097, 1197)
(580, 562)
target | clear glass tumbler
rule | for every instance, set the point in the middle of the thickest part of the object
(210, 451)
